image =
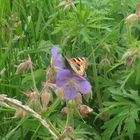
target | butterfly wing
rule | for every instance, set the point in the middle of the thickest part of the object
(77, 65)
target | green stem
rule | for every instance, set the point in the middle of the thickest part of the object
(51, 109)
(51, 126)
(126, 79)
(97, 88)
(129, 33)
(9, 135)
(33, 78)
(71, 107)
(69, 115)
(35, 133)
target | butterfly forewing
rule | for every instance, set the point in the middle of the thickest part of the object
(78, 65)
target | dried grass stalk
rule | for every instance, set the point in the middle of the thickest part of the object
(17, 104)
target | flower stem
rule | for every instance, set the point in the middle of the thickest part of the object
(51, 109)
(70, 113)
(33, 77)
(97, 88)
(70, 106)
(129, 33)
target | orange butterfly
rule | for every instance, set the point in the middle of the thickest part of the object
(77, 65)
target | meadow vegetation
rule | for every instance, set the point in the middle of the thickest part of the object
(106, 32)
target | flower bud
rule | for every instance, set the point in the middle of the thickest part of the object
(131, 19)
(68, 5)
(130, 61)
(65, 110)
(130, 56)
(88, 96)
(69, 129)
(33, 100)
(138, 10)
(60, 93)
(18, 37)
(104, 116)
(45, 97)
(104, 64)
(67, 138)
(24, 66)
(85, 110)
(51, 75)
(20, 113)
(78, 99)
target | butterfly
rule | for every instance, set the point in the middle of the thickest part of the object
(77, 65)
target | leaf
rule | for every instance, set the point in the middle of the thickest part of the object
(137, 81)
(39, 77)
(110, 127)
(125, 112)
(131, 124)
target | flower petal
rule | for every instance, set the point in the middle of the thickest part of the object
(84, 87)
(60, 83)
(70, 93)
(56, 58)
(54, 52)
(63, 74)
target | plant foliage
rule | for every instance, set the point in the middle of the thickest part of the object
(106, 32)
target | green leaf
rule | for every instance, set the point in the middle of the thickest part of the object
(131, 123)
(39, 77)
(110, 127)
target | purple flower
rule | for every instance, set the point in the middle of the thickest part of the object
(72, 83)
(56, 58)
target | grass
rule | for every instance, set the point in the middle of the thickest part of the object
(94, 29)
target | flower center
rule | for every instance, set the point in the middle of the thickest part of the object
(71, 83)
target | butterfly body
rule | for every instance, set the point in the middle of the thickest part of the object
(77, 65)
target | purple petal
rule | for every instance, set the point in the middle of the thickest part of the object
(57, 58)
(54, 52)
(60, 83)
(70, 93)
(84, 87)
(82, 84)
(78, 78)
(63, 74)
(59, 62)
